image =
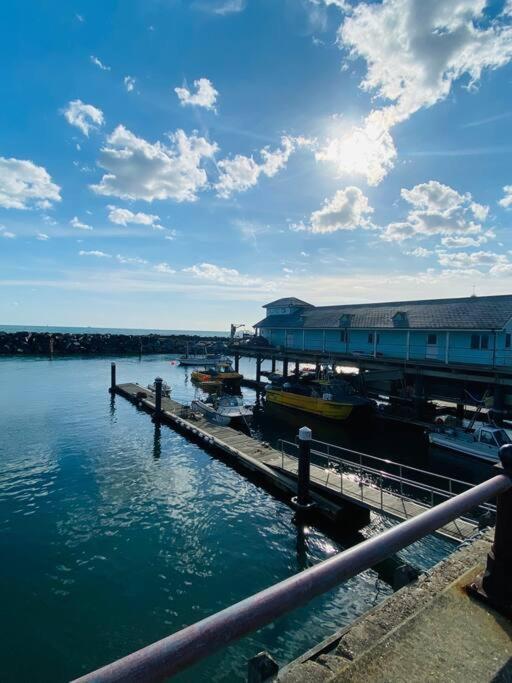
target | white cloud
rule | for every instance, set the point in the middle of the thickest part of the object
(131, 260)
(498, 264)
(129, 83)
(137, 169)
(223, 276)
(414, 50)
(97, 254)
(437, 209)
(164, 268)
(97, 62)
(367, 150)
(6, 233)
(347, 210)
(240, 173)
(125, 216)
(24, 185)
(506, 201)
(221, 7)
(462, 242)
(421, 252)
(86, 117)
(204, 96)
(75, 222)
(42, 236)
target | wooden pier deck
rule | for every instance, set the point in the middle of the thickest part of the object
(334, 494)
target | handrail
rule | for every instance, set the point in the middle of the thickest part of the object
(383, 474)
(174, 653)
(388, 462)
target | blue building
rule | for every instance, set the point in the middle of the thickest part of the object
(472, 331)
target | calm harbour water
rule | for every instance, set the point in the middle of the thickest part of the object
(113, 534)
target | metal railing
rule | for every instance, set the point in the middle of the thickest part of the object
(398, 481)
(172, 654)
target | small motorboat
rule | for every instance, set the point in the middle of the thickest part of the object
(483, 443)
(221, 372)
(166, 389)
(200, 359)
(224, 410)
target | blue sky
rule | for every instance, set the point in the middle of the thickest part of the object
(176, 164)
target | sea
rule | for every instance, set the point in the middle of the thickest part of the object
(109, 330)
(115, 532)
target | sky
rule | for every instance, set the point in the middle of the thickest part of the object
(179, 163)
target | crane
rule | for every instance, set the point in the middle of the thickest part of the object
(234, 328)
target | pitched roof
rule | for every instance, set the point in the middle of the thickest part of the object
(470, 313)
(288, 301)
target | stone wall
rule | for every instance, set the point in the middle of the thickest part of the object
(43, 343)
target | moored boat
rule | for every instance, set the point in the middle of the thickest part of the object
(224, 410)
(483, 443)
(200, 359)
(334, 399)
(166, 389)
(221, 372)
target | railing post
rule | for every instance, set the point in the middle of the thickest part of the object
(112, 378)
(158, 398)
(302, 500)
(495, 585)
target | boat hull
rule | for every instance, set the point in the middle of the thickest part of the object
(331, 410)
(462, 448)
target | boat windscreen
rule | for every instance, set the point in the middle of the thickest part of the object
(502, 437)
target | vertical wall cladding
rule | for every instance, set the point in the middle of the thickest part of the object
(427, 345)
(294, 339)
(314, 340)
(392, 343)
(333, 341)
(265, 332)
(504, 346)
(278, 337)
(361, 341)
(461, 350)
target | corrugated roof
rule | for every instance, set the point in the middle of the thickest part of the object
(287, 301)
(470, 313)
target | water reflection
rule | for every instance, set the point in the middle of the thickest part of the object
(157, 441)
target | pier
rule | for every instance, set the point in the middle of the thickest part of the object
(343, 491)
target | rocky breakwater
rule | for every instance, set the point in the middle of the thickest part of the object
(45, 343)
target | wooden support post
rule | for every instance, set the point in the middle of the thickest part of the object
(285, 367)
(273, 364)
(459, 415)
(419, 394)
(495, 586)
(317, 369)
(302, 501)
(112, 378)
(498, 407)
(237, 362)
(258, 369)
(297, 368)
(158, 398)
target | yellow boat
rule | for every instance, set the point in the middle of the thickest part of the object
(336, 401)
(309, 404)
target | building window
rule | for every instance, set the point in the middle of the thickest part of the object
(480, 342)
(370, 338)
(432, 339)
(507, 340)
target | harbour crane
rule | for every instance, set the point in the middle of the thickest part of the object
(234, 328)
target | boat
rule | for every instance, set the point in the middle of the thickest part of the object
(222, 372)
(483, 443)
(200, 359)
(224, 410)
(166, 389)
(334, 399)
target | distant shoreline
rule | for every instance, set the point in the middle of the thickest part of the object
(139, 332)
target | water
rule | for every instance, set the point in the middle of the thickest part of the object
(114, 533)
(108, 330)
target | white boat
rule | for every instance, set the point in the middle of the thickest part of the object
(483, 443)
(166, 389)
(200, 359)
(224, 410)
